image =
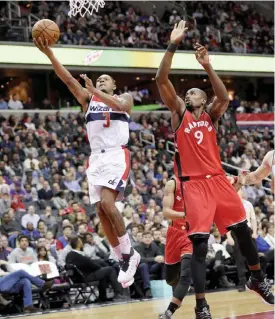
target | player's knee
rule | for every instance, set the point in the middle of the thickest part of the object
(185, 278)
(241, 231)
(185, 274)
(107, 205)
(172, 279)
(172, 282)
(200, 248)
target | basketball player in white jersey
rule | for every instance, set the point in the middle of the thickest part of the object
(267, 167)
(107, 120)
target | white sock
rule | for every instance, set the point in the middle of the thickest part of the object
(117, 252)
(125, 244)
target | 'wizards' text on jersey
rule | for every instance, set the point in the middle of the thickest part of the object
(197, 152)
(106, 128)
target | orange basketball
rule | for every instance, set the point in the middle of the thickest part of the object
(46, 29)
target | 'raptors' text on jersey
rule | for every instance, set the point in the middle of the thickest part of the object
(106, 128)
(178, 204)
(197, 152)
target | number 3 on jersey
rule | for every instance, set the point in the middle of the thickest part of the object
(107, 118)
(199, 136)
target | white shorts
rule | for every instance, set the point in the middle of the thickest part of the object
(110, 169)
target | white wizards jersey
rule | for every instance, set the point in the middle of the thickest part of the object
(106, 128)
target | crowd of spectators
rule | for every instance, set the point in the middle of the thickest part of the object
(140, 96)
(44, 196)
(220, 26)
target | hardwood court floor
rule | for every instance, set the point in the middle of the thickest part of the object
(224, 305)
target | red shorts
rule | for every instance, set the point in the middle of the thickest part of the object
(177, 244)
(211, 200)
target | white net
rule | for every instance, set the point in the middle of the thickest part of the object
(85, 6)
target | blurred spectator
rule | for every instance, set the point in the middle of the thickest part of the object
(4, 252)
(9, 227)
(268, 235)
(5, 202)
(92, 271)
(30, 217)
(3, 104)
(215, 261)
(23, 254)
(31, 233)
(158, 240)
(42, 255)
(134, 198)
(45, 193)
(63, 241)
(50, 220)
(15, 103)
(152, 262)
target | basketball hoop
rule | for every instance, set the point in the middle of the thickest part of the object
(85, 6)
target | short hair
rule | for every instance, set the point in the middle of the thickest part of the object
(83, 223)
(20, 237)
(141, 226)
(86, 235)
(146, 233)
(67, 226)
(114, 81)
(74, 242)
(70, 237)
(158, 230)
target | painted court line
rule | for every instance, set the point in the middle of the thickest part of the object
(258, 315)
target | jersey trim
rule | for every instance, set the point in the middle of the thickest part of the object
(177, 160)
(101, 116)
(212, 122)
(180, 121)
(97, 99)
(173, 178)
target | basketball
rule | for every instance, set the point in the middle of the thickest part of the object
(46, 29)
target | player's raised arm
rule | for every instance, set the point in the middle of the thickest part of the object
(123, 103)
(65, 76)
(166, 89)
(168, 201)
(221, 99)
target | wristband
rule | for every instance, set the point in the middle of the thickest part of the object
(172, 47)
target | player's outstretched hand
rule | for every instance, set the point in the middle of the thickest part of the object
(43, 46)
(88, 83)
(242, 177)
(178, 32)
(202, 54)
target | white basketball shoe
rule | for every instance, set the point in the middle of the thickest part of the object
(128, 266)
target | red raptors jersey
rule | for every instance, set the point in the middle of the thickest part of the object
(178, 204)
(197, 152)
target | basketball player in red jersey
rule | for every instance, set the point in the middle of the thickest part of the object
(107, 121)
(178, 248)
(208, 195)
